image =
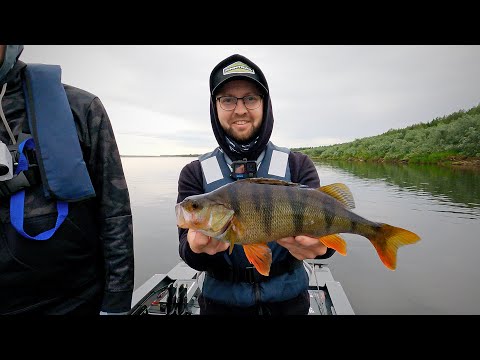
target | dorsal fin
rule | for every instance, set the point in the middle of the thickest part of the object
(340, 192)
(269, 181)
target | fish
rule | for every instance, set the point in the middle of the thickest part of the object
(254, 211)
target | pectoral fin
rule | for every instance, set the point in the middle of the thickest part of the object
(335, 242)
(259, 256)
(233, 232)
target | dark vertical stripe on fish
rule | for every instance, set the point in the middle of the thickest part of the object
(254, 199)
(234, 199)
(353, 226)
(329, 215)
(298, 209)
(268, 211)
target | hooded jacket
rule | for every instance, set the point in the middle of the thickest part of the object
(216, 81)
(190, 182)
(88, 263)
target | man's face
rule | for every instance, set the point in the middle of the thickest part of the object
(240, 123)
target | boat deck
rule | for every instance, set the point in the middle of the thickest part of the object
(176, 292)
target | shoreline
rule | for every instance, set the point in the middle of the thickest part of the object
(457, 162)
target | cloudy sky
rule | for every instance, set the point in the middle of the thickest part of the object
(157, 96)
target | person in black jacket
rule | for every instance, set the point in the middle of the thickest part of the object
(242, 122)
(87, 266)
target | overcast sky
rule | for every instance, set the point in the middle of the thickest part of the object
(157, 96)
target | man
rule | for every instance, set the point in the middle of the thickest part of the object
(70, 253)
(242, 122)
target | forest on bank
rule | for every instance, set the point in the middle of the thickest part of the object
(452, 139)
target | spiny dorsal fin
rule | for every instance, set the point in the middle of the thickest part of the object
(269, 181)
(340, 192)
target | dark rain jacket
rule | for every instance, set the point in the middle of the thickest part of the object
(88, 264)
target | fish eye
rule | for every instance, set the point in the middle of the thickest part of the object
(195, 205)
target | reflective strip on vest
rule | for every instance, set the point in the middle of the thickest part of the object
(211, 170)
(278, 163)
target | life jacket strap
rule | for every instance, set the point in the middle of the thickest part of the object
(17, 200)
(23, 180)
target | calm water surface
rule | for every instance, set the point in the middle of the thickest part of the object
(438, 275)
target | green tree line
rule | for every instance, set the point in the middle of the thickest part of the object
(452, 137)
(421, 178)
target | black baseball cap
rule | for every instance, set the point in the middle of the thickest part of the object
(236, 67)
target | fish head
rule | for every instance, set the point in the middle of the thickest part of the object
(201, 213)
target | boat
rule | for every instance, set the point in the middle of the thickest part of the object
(176, 292)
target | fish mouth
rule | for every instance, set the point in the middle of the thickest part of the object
(182, 216)
(185, 220)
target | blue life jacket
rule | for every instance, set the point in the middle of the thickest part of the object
(54, 137)
(287, 285)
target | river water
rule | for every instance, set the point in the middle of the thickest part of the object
(438, 275)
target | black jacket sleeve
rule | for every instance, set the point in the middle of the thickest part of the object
(114, 214)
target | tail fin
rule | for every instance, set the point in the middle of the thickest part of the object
(388, 239)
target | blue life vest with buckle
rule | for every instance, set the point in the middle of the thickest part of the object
(63, 171)
(241, 284)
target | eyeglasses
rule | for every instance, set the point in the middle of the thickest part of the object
(251, 102)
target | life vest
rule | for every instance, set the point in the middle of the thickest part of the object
(54, 139)
(241, 284)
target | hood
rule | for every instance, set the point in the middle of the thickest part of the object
(14, 78)
(239, 67)
(12, 53)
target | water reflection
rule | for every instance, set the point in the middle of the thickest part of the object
(457, 189)
(438, 275)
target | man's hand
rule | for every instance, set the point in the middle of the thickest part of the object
(201, 243)
(303, 247)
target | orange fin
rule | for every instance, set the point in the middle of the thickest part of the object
(336, 242)
(340, 192)
(259, 256)
(388, 239)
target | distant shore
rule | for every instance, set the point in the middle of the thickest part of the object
(465, 162)
(453, 161)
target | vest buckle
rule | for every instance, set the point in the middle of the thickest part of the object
(250, 274)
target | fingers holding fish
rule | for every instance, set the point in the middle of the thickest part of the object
(303, 247)
(201, 243)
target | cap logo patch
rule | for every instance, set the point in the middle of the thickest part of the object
(238, 67)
